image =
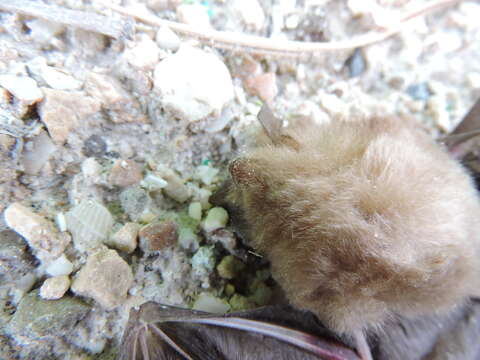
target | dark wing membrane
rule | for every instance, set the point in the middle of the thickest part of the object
(172, 333)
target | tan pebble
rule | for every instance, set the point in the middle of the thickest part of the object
(40, 233)
(54, 288)
(126, 238)
(157, 236)
(125, 173)
(61, 111)
(106, 278)
(264, 86)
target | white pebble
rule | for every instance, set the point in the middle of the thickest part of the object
(193, 84)
(23, 88)
(167, 39)
(217, 218)
(195, 210)
(209, 303)
(60, 266)
(54, 288)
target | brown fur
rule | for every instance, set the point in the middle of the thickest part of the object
(361, 220)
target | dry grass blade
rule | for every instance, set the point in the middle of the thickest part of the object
(261, 45)
(81, 19)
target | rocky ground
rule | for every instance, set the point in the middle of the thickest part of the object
(111, 147)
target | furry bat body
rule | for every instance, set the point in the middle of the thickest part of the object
(361, 221)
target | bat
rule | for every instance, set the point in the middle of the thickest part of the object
(362, 220)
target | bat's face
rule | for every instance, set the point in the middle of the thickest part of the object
(360, 220)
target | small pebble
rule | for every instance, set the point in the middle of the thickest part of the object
(195, 210)
(105, 277)
(210, 303)
(60, 266)
(193, 84)
(40, 233)
(175, 188)
(55, 287)
(263, 85)
(61, 111)
(217, 218)
(25, 89)
(239, 302)
(229, 267)
(94, 146)
(167, 39)
(126, 238)
(145, 53)
(125, 173)
(158, 236)
(152, 182)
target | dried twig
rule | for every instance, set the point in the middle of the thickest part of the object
(81, 19)
(260, 45)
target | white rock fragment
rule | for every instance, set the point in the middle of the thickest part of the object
(126, 238)
(55, 287)
(37, 152)
(60, 266)
(206, 174)
(39, 233)
(251, 13)
(106, 278)
(217, 218)
(23, 88)
(210, 303)
(167, 39)
(144, 54)
(89, 222)
(61, 222)
(175, 188)
(195, 210)
(193, 84)
(152, 182)
(194, 14)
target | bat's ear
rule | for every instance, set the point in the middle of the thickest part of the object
(272, 126)
(246, 172)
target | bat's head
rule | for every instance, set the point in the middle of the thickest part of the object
(360, 220)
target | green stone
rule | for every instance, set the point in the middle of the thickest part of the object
(36, 317)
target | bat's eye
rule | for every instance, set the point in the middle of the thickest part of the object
(244, 172)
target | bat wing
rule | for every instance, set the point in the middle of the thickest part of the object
(163, 332)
